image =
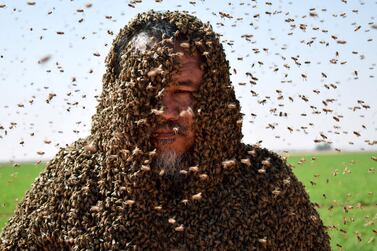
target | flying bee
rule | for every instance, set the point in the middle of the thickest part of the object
(357, 133)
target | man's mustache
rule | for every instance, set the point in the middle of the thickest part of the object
(172, 125)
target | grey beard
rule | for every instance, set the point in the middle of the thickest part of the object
(171, 162)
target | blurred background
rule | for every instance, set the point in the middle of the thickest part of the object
(304, 72)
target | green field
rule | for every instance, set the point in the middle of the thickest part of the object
(343, 184)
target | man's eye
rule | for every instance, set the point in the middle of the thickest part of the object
(182, 91)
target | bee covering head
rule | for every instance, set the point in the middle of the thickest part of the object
(146, 67)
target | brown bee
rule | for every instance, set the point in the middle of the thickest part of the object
(266, 163)
(130, 202)
(145, 168)
(246, 161)
(197, 196)
(203, 176)
(180, 228)
(158, 208)
(194, 169)
(263, 242)
(229, 164)
(171, 220)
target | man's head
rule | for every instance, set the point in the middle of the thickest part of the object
(174, 136)
(167, 91)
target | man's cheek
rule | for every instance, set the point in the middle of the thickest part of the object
(187, 113)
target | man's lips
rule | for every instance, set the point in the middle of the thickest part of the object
(165, 134)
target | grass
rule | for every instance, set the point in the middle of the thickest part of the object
(344, 186)
(14, 181)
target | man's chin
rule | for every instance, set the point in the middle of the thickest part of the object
(168, 160)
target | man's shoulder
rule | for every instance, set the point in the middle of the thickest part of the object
(71, 155)
(262, 160)
(67, 168)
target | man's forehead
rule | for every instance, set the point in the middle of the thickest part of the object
(189, 72)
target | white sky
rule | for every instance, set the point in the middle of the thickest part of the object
(28, 33)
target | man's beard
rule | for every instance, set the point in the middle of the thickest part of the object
(171, 162)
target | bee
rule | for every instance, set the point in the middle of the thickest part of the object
(246, 161)
(232, 106)
(171, 221)
(194, 169)
(158, 208)
(263, 242)
(130, 202)
(286, 181)
(184, 45)
(357, 134)
(197, 196)
(145, 168)
(185, 201)
(94, 209)
(266, 163)
(262, 170)
(203, 176)
(180, 228)
(229, 164)
(276, 192)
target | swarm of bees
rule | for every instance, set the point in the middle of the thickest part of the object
(101, 193)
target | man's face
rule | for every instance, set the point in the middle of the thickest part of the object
(176, 134)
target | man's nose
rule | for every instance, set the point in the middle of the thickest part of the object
(170, 108)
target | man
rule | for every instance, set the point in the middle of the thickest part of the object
(164, 168)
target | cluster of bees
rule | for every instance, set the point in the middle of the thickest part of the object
(103, 193)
